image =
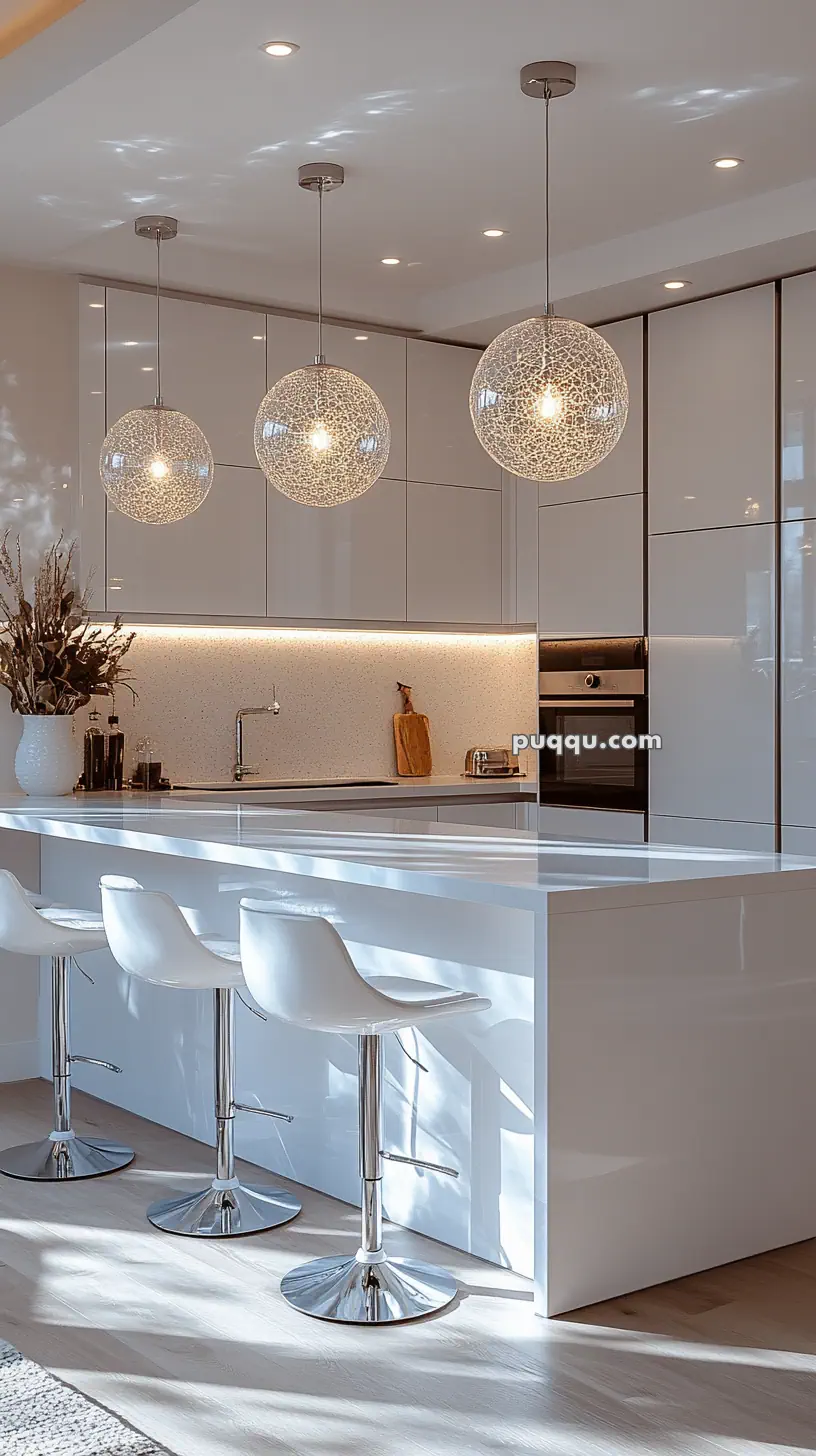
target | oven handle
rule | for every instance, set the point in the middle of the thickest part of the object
(580, 702)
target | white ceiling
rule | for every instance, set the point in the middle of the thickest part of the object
(420, 101)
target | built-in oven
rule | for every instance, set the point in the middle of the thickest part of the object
(593, 717)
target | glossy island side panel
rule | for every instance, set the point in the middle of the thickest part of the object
(677, 1046)
(471, 1109)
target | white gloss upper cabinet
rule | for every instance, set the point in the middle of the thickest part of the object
(213, 366)
(379, 359)
(210, 564)
(799, 672)
(590, 568)
(712, 438)
(454, 554)
(799, 396)
(711, 674)
(621, 473)
(442, 444)
(346, 561)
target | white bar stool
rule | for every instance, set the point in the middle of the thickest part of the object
(298, 969)
(30, 926)
(150, 938)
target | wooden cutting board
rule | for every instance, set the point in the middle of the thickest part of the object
(411, 739)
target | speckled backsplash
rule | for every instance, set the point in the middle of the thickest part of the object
(337, 692)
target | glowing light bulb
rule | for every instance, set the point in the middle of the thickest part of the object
(549, 405)
(159, 469)
(320, 439)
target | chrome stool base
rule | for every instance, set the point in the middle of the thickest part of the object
(224, 1213)
(352, 1292)
(72, 1157)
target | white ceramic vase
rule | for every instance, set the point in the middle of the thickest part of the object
(46, 761)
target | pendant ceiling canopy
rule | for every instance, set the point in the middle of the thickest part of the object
(549, 397)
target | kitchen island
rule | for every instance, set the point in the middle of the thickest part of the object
(635, 1106)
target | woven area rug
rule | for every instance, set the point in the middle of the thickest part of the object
(42, 1416)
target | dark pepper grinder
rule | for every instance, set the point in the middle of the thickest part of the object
(115, 758)
(94, 755)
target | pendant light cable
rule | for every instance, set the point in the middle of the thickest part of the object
(158, 319)
(547, 201)
(320, 357)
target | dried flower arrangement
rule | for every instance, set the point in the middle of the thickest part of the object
(52, 659)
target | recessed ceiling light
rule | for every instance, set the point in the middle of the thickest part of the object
(676, 283)
(147, 368)
(258, 338)
(130, 344)
(280, 48)
(390, 262)
(493, 233)
(726, 164)
(360, 338)
(96, 305)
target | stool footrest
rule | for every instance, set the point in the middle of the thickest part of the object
(420, 1163)
(262, 1111)
(95, 1062)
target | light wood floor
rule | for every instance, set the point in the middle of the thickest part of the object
(192, 1342)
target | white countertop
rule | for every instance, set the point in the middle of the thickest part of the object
(508, 867)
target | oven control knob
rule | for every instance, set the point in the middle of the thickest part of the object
(592, 680)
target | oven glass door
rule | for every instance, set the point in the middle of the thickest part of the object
(597, 777)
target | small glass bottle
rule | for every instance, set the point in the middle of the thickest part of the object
(94, 755)
(115, 764)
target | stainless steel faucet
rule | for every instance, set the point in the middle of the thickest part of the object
(239, 771)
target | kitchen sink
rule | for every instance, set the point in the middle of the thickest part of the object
(225, 786)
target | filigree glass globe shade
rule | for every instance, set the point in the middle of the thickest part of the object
(549, 399)
(322, 436)
(156, 465)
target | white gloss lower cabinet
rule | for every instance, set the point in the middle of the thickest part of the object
(488, 816)
(590, 568)
(210, 564)
(555, 821)
(711, 674)
(711, 833)
(454, 554)
(346, 561)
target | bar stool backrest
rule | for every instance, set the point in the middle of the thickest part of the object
(298, 969)
(148, 935)
(22, 930)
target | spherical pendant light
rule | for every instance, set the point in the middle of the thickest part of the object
(156, 465)
(322, 436)
(549, 397)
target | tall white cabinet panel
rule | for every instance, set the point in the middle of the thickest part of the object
(711, 674)
(379, 359)
(213, 366)
(346, 562)
(442, 445)
(799, 672)
(712, 413)
(454, 554)
(210, 564)
(590, 568)
(290, 343)
(799, 397)
(621, 473)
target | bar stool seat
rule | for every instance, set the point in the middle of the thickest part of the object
(30, 925)
(298, 969)
(150, 938)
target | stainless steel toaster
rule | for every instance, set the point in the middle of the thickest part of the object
(490, 763)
